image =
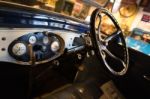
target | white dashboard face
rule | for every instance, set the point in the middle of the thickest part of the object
(32, 40)
(19, 49)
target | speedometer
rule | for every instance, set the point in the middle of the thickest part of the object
(19, 49)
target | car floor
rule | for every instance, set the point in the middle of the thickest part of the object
(14, 80)
(130, 86)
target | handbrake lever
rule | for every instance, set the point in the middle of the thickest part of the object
(32, 55)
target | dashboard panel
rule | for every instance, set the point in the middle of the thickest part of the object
(28, 46)
(38, 46)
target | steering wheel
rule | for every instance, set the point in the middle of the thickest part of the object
(102, 45)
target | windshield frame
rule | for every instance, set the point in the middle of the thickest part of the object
(15, 7)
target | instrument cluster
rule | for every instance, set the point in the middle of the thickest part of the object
(36, 48)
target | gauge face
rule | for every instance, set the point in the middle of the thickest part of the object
(19, 49)
(45, 40)
(32, 39)
(128, 10)
(55, 46)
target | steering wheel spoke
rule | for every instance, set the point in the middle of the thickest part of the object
(113, 36)
(114, 57)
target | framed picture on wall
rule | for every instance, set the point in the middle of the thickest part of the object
(68, 7)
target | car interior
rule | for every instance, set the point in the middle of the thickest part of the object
(74, 49)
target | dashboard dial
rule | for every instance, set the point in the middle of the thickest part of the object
(127, 10)
(19, 49)
(32, 39)
(55, 46)
(45, 40)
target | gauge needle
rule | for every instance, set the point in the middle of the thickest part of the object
(17, 50)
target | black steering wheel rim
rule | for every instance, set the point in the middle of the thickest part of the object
(98, 45)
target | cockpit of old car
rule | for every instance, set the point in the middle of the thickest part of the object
(74, 49)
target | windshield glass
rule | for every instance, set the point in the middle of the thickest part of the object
(80, 9)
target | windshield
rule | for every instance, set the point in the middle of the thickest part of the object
(80, 9)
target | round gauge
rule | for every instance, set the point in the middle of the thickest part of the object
(127, 10)
(55, 46)
(19, 49)
(32, 39)
(45, 40)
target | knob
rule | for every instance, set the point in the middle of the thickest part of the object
(55, 46)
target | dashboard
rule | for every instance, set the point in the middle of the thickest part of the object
(36, 46)
(32, 36)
